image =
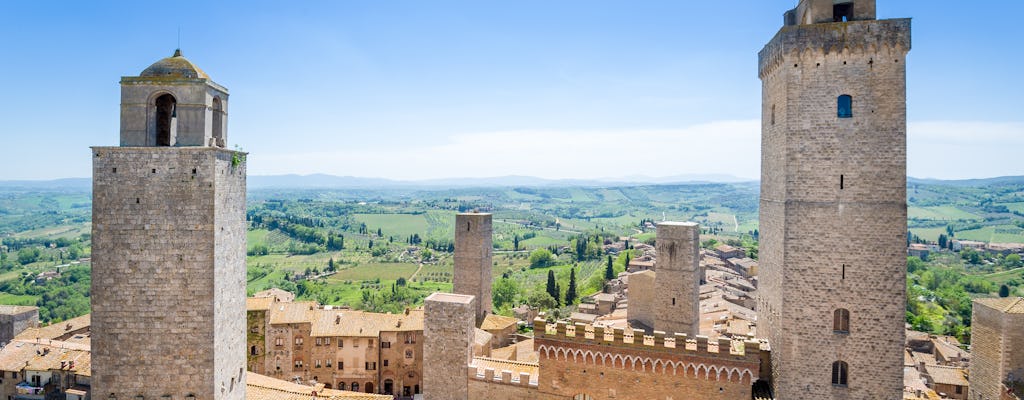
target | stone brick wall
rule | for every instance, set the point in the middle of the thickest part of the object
(15, 320)
(473, 249)
(607, 364)
(833, 207)
(641, 294)
(677, 278)
(448, 326)
(997, 349)
(194, 110)
(168, 272)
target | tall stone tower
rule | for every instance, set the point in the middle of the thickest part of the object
(677, 278)
(833, 202)
(473, 251)
(168, 278)
(448, 328)
(997, 347)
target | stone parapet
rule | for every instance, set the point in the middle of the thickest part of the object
(838, 37)
(678, 344)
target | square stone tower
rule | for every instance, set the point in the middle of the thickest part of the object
(997, 347)
(168, 277)
(473, 251)
(677, 278)
(833, 202)
(449, 321)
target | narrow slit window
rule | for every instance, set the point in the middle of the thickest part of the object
(845, 106)
(842, 182)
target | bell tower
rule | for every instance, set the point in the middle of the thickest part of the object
(168, 288)
(833, 214)
(173, 103)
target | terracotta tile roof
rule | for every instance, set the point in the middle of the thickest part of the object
(258, 303)
(292, 313)
(482, 337)
(58, 329)
(947, 375)
(259, 387)
(363, 324)
(497, 322)
(45, 355)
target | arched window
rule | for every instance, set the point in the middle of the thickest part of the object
(369, 387)
(252, 350)
(840, 370)
(408, 354)
(341, 385)
(165, 119)
(841, 321)
(218, 122)
(355, 386)
(845, 106)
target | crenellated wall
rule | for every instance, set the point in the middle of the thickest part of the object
(603, 363)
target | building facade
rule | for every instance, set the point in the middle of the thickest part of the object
(833, 176)
(168, 277)
(337, 348)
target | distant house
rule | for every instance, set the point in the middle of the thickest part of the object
(959, 245)
(1006, 248)
(726, 252)
(918, 250)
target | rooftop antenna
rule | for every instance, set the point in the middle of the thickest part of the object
(179, 37)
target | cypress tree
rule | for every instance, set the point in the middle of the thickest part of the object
(552, 287)
(570, 293)
(609, 271)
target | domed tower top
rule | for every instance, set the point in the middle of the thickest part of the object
(175, 66)
(173, 103)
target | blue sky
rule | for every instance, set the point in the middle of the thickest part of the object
(435, 89)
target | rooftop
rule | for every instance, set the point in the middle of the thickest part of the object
(259, 387)
(497, 322)
(1009, 305)
(947, 375)
(175, 66)
(57, 330)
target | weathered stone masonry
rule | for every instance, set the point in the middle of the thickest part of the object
(833, 201)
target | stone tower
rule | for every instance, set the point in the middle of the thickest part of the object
(168, 277)
(448, 328)
(997, 347)
(833, 210)
(473, 260)
(677, 278)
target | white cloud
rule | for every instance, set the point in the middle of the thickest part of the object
(965, 149)
(729, 147)
(939, 149)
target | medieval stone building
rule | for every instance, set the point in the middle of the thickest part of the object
(833, 177)
(168, 278)
(997, 348)
(473, 249)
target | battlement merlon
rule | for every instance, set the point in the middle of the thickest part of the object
(675, 343)
(836, 37)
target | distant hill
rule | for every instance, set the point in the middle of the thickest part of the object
(55, 184)
(997, 181)
(318, 181)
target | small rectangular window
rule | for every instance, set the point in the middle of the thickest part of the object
(844, 106)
